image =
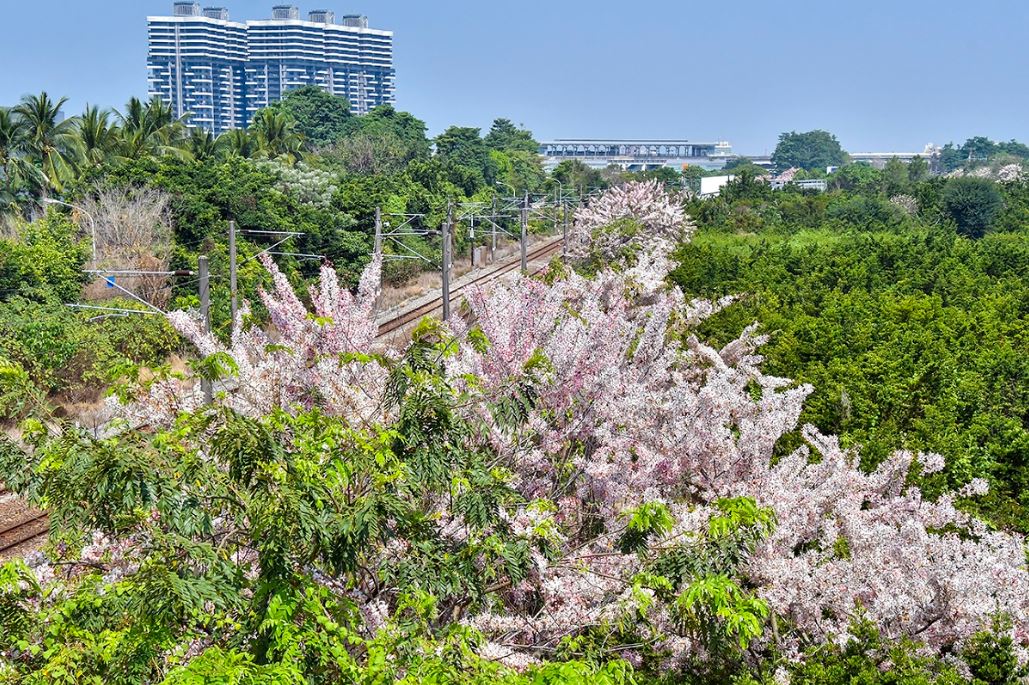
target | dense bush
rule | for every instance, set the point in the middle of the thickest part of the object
(47, 347)
(869, 659)
(44, 259)
(910, 334)
(63, 352)
(973, 204)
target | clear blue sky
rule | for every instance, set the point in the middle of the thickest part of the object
(881, 74)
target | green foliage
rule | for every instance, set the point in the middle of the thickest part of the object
(895, 177)
(980, 150)
(519, 169)
(811, 150)
(62, 352)
(991, 658)
(909, 333)
(464, 148)
(386, 122)
(973, 204)
(506, 137)
(574, 174)
(44, 260)
(740, 514)
(647, 520)
(870, 658)
(861, 178)
(716, 609)
(321, 118)
(275, 134)
(666, 175)
(265, 196)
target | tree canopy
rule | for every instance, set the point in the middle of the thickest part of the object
(505, 136)
(973, 203)
(464, 148)
(813, 150)
(321, 118)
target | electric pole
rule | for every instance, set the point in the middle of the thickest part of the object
(232, 271)
(493, 223)
(378, 230)
(525, 227)
(564, 215)
(446, 262)
(205, 316)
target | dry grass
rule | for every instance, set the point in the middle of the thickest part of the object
(133, 232)
(90, 409)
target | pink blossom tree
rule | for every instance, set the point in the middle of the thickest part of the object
(634, 217)
(625, 436)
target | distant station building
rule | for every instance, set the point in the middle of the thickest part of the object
(930, 154)
(879, 159)
(636, 155)
(221, 72)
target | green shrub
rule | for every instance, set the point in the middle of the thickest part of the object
(973, 204)
(44, 259)
(912, 339)
(61, 351)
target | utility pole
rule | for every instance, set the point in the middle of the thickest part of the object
(232, 271)
(564, 215)
(446, 261)
(378, 230)
(205, 315)
(559, 200)
(493, 223)
(525, 227)
(377, 252)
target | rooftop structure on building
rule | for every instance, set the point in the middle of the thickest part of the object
(878, 160)
(636, 155)
(220, 72)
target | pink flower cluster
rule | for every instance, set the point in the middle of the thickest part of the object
(306, 362)
(659, 214)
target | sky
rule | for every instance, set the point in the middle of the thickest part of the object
(883, 75)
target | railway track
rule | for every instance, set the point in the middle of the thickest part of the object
(32, 524)
(535, 253)
(26, 526)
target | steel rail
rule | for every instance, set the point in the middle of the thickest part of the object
(403, 319)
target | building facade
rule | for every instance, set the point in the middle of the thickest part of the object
(220, 72)
(636, 155)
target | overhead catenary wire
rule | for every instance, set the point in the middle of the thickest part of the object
(130, 272)
(97, 308)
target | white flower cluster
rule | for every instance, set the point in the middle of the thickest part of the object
(302, 182)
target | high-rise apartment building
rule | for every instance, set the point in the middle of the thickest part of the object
(221, 71)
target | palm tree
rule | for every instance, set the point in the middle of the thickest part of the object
(151, 128)
(12, 140)
(14, 167)
(201, 144)
(275, 134)
(50, 141)
(237, 142)
(98, 138)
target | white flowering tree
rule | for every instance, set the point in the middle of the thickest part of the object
(568, 475)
